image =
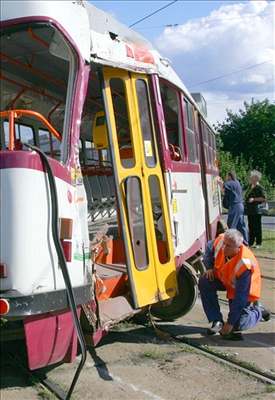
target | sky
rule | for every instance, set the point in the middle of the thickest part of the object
(223, 49)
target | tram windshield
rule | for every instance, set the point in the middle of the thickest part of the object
(38, 70)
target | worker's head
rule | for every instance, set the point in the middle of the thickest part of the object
(232, 242)
(255, 177)
(231, 176)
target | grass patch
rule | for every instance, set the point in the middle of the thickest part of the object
(124, 325)
(44, 394)
(270, 388)
(152, 354)
(268, 244)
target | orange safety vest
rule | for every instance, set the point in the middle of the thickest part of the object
(228, 271)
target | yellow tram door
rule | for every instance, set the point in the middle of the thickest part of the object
(141, 194)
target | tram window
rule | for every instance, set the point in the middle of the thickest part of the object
(91, 154)
(171, 109)
(44, 141)
(26, 134)
(7, 135)
(146, 123)
(136, 221)
(159, 223)
(123, 130)
(23, 134)
(207, 145)
(81, 151)
(212, 148)
(48, 143)
(190, 132)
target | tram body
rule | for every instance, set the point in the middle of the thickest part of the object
(134, 165)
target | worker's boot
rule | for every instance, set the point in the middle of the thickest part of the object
(266, 314)
(215, 328)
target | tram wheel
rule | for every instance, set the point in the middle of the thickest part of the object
(179, 305)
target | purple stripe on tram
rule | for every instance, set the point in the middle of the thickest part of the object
(27, 160)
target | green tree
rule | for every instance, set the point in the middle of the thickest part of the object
(241, 167)
(237, 164)
(249, 136)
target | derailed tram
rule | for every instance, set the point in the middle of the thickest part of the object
(108, 179)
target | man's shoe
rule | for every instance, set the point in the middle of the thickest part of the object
(215, 328)
(266, 314)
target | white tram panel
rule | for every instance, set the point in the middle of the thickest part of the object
(187, 209)
(27, 247)
(213, 197)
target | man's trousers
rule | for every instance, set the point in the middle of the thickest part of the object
(250, 315)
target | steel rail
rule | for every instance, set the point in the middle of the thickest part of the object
(219, 357)
(268, 278)
(248, 370)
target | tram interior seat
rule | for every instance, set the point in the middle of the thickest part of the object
(100, 192)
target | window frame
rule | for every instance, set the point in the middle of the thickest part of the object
(192, 131)
(181, 131)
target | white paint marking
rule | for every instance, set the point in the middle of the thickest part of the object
(135, 388)
(149, 394)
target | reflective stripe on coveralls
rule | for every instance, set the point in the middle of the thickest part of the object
(228, 271)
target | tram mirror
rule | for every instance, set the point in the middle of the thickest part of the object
(99, 131)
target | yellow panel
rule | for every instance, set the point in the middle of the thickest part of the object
(145, 284)
(157, 281)
(99, 133)
(165, 273)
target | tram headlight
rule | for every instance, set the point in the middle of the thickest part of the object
(4, 307)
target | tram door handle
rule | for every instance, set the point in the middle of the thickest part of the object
(142, 171)
(176, 225)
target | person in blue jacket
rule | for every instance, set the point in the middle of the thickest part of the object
(233, 201)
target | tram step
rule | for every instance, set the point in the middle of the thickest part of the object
(114, 310)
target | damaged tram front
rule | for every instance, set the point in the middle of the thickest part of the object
(108, 179)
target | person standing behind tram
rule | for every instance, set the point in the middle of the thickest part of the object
(254, 196)
(233, 201)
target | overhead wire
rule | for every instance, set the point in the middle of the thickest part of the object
(175, 25)
(153, 13)
(229, 74)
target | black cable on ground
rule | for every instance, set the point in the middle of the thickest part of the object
(63, 264)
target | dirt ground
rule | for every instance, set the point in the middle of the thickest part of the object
(133, 364)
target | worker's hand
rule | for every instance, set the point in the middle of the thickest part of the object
(209, 274)
(251, 200)
(226, 329)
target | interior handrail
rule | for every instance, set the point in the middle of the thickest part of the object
(16, 114)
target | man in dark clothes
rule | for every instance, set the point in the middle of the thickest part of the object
(233, 201)
(254, 197)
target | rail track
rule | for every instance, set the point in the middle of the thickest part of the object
(247, 369)
(268, 278)
(35, 378)
(40, 380)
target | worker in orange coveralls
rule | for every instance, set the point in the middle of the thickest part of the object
(231, 266)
